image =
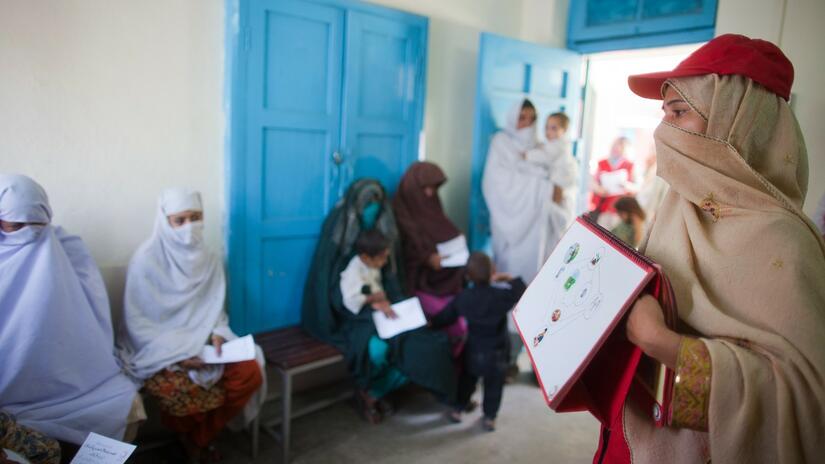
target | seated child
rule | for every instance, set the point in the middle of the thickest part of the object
(486, 353)
(361, 288)
(631, 227)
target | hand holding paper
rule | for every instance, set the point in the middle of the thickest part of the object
(409, 316)
(454, 252)
(240, 349)
(98, 449)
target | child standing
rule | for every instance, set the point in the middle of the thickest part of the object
(485, 355)
(631, 227)
(361, 289)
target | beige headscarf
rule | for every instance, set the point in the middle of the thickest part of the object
(748, 269)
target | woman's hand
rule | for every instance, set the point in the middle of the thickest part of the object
(434, 261)
(646, 329)
(558, 195)
(385, 307)
(376, 297)
(217, 342)
(501, 277)
(193, 363)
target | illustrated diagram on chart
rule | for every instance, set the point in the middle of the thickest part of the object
(577, 295)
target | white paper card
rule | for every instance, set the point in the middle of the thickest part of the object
(410, 317)
(14, 457)
(614, 182)
(98, 449)
(454, 252)
(572, 302)
(240, 349)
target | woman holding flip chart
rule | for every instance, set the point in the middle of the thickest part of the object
(426, 232)
(745, 262)
(173, 306)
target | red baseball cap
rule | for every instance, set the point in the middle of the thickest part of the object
(760, 60)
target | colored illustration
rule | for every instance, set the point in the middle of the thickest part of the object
(580, 280)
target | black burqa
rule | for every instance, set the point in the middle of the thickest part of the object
(423, 355)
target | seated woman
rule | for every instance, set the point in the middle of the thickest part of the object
(424, 225)
(422, 356)
(58, 375)
(173, 307)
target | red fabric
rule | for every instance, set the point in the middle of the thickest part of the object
(759, 60)
(605, 204)
(240, 380)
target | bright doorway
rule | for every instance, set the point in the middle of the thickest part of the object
(611, 111)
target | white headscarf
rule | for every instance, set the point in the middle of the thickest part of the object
(175, 291)
(516, 193)
(59, 374)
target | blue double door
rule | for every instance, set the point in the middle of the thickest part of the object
(331, 91)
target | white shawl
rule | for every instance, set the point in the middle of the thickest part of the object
(59, 374)
(516, 192)
(175, 290)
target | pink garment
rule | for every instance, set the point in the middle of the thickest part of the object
(456, 332)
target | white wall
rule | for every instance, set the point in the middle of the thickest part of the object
(796, 26)
(107, 102)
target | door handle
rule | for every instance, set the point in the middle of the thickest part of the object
(337, 157)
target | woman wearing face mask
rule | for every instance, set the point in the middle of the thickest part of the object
(173, 306)
(58, 374)
(746, 264)
(517, 192)
(423, 225)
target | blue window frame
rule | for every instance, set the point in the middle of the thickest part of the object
(604, 25)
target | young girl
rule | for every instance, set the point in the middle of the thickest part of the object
(746, 265)
(632, 224)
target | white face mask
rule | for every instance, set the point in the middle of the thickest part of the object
(189, 234)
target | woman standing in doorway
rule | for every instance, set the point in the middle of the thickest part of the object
(516, 192)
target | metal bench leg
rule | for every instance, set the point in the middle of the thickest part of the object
(286, 414)
(256, 433)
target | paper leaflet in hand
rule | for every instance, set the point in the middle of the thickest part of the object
(240, 349)
(97, 449)
(410, 317)
(454, 252)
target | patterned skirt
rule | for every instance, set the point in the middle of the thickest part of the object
(179, 396)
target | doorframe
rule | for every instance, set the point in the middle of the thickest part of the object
(237, 42)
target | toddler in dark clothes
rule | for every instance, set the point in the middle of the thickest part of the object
(484, 303)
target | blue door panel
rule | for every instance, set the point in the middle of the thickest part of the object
(508, 71)
(332, 90)
(283, 280)
(293, 109)
(383, 97)
(306, 197)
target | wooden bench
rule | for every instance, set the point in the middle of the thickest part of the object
(291, 351)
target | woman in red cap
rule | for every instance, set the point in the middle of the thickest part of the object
(746, 264)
